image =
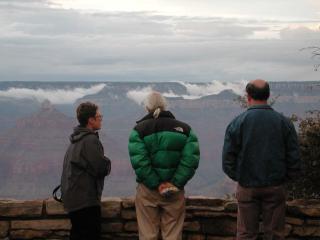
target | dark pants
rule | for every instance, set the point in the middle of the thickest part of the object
(86, 224)
(269, 202)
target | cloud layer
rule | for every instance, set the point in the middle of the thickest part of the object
(194, 91)
(55, 96)
(43, 42)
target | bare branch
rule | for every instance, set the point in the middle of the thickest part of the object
(315, 53)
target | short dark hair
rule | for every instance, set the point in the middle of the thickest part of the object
(85, 111)
(258, 93)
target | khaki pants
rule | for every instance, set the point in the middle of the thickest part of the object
(267, 201)
(155, 212)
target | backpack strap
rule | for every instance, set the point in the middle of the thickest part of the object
(54, 194)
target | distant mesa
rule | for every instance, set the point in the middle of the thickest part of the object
(46, 105)
(48, 116)
(225, 94)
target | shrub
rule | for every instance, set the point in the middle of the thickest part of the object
(308, 185)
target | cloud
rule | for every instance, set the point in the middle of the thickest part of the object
(48, 21)
(303, 33)
(171, 94)
(220, 28)
(139, 95)
(47, 43)
(213, 88)
(55, 96)
(193, 91)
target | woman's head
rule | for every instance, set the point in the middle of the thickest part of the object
(155, 103)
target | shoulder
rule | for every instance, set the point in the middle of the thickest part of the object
(287, 122)
(143, 124)
(91, 138)
(179, 124)
(238, 120)
(151, 126)
(284, 119)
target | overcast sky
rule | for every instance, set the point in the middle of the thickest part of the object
(158, 40)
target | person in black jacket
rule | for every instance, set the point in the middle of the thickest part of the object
(261, 153)
(84, 170)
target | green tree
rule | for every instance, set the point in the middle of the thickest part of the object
(307, 186)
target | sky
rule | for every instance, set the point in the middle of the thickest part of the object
(158, 40)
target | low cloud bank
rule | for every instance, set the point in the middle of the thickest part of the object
(55, 96)
(193, 90)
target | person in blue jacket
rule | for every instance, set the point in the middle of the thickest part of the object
(261, 153)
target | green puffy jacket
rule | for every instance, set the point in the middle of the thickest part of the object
(163, 150)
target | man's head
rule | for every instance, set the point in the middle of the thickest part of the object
(155, 100)
(89, 116)
(258, 92)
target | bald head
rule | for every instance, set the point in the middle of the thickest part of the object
(258, 89)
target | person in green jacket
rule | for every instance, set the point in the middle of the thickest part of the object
(164, 154)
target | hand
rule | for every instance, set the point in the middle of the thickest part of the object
(164, 185)
(161, 187)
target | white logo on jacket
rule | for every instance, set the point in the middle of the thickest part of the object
(178, 129)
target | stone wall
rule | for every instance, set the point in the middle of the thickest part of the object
(206, 218)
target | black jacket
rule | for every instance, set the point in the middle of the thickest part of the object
(261, 148)
(84, 170)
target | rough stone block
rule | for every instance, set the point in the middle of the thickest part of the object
(231, 206)
(219, 238)
(219, 226)
(128, 202)
(304, 207)
(288, 229)
(62, 233)
(111, 207)
(131, 227)
(106, 237)
(29, 234)
(314, 222)
(204, 201)
(127, 236)
(4, 229)
(54, 224)
(306, 231)
(191, 226)
(54, 208)
(13, 208)
(128, 214)
(294, 221)
(205, 208)
(196, 237)
(112, 227)
(209, 214)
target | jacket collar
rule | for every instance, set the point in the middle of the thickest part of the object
(261, 106)
(80, 132)
(163, 114)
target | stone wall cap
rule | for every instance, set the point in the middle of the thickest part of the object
(111, 199)
(19, 208)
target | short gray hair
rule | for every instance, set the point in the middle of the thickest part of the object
(155, 103)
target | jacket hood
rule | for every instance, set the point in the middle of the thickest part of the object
(80, 132)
